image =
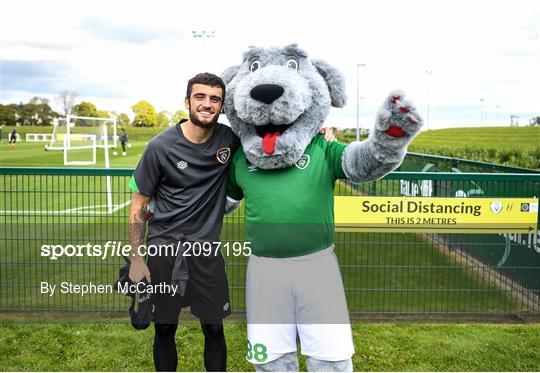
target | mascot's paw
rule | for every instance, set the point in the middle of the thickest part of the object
(398, 118)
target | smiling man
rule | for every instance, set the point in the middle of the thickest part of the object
(184, 170)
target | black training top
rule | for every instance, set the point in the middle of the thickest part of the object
(189, 183)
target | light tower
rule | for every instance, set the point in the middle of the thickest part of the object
(203, 35)
(358, 100)
(428, 73)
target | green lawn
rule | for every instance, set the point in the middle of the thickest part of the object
(76, 346)
(526, 138)
(512, 146)
(31, 154)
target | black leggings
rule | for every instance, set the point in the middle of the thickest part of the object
(215, 348)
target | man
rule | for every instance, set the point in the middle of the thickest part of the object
(13, 138)
(123, 141)
(184, 169)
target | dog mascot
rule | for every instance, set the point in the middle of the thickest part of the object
(277, 100)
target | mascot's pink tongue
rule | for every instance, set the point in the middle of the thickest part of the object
(269, 142)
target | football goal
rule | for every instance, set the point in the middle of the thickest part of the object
(67, 131)
(80, 138)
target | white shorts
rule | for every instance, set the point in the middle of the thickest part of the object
(301, 296)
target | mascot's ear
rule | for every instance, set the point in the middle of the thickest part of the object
(230, 73)
(335, 82)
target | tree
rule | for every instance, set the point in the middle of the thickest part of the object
(145, 114)
(66, 99)
(36, 112)
(163, 119)
(44, 111)
(178, 116)
(85, 109)
(122, 120)
(103, 114)
(8, 115)
(535, 121)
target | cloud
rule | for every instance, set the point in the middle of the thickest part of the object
(35, 76)
(531, 28)
(126, 32)
(51, 77)
(518, 52)
(38, 45)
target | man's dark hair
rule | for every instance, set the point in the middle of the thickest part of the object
(206, 79)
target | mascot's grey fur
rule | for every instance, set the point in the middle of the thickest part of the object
(280, 90)
(276, 102)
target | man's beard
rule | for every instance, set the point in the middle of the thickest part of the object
(198, 123)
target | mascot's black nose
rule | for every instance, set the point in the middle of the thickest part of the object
(267, 93)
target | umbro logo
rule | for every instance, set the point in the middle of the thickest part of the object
(181, 165)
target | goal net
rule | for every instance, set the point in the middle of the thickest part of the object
(80, 138)
(70, 131)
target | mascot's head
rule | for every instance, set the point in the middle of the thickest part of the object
(277, 100)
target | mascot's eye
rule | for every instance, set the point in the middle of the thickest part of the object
(254, 66)
(292, 63)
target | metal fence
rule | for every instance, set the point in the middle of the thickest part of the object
(435, 163)
(383, 273)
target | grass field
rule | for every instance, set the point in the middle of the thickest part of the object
(74, 346)
(390, 273)
(512, 146)
(31, 154)
(526, 138)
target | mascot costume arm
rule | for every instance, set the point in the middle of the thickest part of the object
(396, 125)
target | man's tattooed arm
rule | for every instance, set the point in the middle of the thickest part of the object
(137, 229)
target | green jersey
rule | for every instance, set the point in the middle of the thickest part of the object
(289, 212)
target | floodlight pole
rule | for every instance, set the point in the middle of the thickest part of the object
(203, 35)
(428, 73)
(482, 111)
(358, 100)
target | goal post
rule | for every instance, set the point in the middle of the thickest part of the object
(77, 125)
(80, 138)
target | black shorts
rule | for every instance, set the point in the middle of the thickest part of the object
(207, 291)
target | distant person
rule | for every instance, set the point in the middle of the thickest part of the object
(13, 137)
(123, 140)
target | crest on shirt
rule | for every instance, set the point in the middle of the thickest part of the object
(223, 155)
(303, 162)
(181, 165)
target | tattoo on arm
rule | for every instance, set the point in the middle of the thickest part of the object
(137, 229)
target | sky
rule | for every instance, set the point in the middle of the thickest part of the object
(484, 56)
